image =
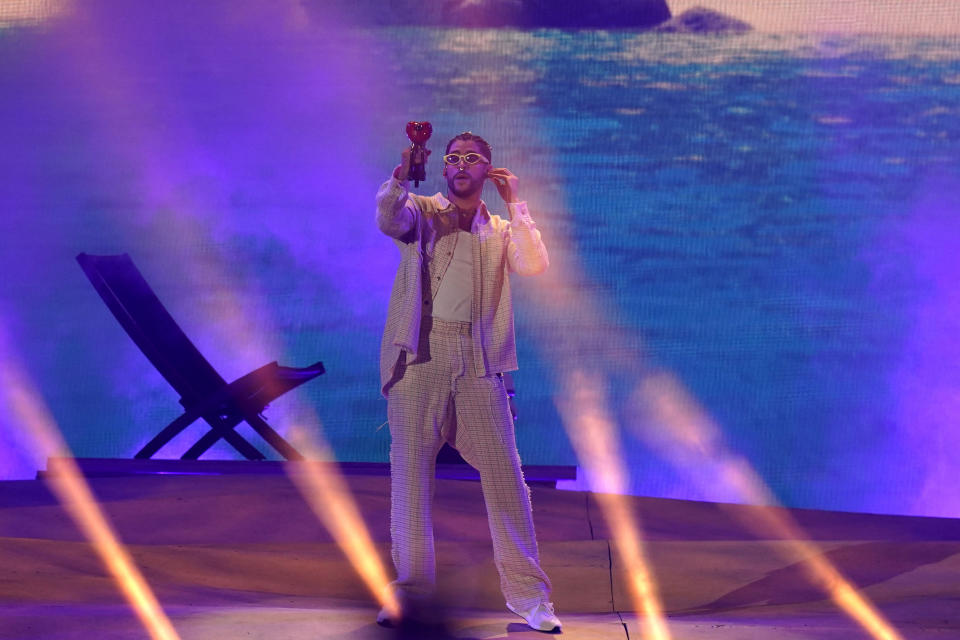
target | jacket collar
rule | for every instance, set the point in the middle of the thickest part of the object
(445, 206)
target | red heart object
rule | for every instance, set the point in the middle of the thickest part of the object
(419, 132)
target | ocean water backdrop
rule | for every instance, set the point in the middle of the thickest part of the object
(769, 219)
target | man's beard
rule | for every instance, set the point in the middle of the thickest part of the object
(469, 188)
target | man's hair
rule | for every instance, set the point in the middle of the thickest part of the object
(483, 144)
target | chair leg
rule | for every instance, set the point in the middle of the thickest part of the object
(223, 429)
(166, 435)
(273, 438)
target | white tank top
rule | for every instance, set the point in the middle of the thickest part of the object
(454, 299)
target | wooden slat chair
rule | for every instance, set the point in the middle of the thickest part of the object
(204, 394)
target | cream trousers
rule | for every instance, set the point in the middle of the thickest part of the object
(437, 398)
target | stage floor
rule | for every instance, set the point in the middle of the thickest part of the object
(242, 556)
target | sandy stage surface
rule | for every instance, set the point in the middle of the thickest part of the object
(242, 556)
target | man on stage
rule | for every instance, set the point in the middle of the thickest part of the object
(448, 339)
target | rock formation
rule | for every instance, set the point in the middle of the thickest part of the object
(701, 20)
(521, 14)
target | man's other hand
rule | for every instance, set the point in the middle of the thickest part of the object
(507, 183)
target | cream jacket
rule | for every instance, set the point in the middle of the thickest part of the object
(422, 229)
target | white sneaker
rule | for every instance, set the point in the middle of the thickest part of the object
(540, 618)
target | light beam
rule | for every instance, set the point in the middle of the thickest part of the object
(165, 161)
(67, 483)
(592, 432)
(325, 490)
(693, 435)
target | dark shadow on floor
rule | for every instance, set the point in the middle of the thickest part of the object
(863, 564)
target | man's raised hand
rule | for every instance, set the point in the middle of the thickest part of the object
(403, 169)
(402, 172)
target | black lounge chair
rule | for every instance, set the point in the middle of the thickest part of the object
(203, 393)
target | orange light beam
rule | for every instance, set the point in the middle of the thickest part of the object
(320, 483)
(74, 494)
(696, 436)
(820, 571)
(593, 436)
(324, 489)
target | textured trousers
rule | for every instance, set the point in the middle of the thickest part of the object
(438, 398)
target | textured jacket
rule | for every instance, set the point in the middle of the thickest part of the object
(422, 229)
